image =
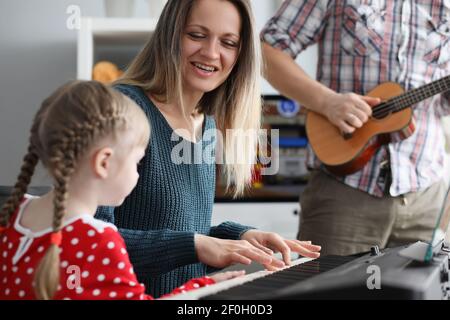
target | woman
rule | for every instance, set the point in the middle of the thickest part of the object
(201, 67)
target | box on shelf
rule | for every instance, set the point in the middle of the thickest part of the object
(292, 159)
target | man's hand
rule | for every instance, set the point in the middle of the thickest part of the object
(348, 111)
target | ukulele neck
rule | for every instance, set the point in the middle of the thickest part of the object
(413, 96)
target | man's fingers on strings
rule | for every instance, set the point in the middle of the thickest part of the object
(353, 120)
(345, 128)
(360, 114)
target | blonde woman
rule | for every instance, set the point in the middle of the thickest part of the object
(90, 138)
(200, 70)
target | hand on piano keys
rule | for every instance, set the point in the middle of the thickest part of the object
(254, 245)
(271, 242)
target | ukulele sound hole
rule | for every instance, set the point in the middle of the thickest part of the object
(347, 135)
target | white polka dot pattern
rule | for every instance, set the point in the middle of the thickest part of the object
(93, 260)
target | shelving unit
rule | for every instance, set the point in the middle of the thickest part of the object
(114, 39)
(288, 118)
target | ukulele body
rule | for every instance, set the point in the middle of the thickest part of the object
(343, 156)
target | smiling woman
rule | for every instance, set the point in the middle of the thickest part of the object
(200, 68)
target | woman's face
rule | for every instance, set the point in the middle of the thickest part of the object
(210, 45)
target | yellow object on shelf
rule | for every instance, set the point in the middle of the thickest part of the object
(106, 72)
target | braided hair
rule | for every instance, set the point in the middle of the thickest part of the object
(69, 122)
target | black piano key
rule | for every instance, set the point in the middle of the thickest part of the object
(282, 279)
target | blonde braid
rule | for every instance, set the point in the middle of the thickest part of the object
(20, 188)
(47, 274)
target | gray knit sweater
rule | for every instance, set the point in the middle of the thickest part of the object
(170, 203)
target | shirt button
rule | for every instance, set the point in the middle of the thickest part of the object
(404, 201)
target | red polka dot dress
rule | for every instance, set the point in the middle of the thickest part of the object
(94, 263)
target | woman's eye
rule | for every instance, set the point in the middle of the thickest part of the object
(195, 35)
(230, 43)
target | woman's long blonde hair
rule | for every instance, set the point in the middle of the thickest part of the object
(68, 124)
(236, 104)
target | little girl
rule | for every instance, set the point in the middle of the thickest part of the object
(90, 138)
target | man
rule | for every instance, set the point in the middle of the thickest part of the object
(395, 198)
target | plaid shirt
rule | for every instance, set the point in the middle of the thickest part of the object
(363, 43)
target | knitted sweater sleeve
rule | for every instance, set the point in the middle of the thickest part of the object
(229, 230)
(155, 251)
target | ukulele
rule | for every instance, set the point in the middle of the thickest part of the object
(343, 154)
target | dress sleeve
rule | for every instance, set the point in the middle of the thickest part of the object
(108, 274)
(191, 285)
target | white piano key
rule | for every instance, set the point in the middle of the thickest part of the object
(224, 285)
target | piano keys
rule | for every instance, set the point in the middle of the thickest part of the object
(262, 287)
(335, 277)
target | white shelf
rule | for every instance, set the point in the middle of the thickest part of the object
(110, 32)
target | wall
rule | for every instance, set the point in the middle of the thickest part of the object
(37, 54)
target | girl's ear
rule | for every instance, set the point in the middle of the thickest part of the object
(102, 162)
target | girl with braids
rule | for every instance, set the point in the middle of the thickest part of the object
(90, 138)
(200, 69)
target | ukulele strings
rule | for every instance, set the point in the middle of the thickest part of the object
(409, 98)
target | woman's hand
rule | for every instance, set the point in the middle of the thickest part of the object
(222, 253)
(269, 241)
(222, 276)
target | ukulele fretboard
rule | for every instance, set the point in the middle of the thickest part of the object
(412, 97)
